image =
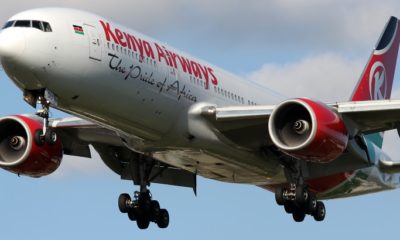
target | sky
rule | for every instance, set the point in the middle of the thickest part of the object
(300, 48)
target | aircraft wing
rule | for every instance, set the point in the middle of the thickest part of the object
(77, 134)
(245, 124)
(371, 116)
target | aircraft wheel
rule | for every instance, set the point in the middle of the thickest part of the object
(132, 214)
(122, 202)
(289, 208)
(163, 219)
(142, 221)
(155, 210)
(312, 204)
(38, 137)
(145, 202)
(320, 212)
(301, 195)
(279, 196)
(50, 137)
(298, 215)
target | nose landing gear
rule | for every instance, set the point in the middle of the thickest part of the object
(45, 135)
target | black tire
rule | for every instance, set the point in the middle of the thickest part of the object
(122, 200)
(312, 203)
(155, 210)
(50, 137)
(163, 219)
(142, 221)
(145, 202)
(320, 212)
(279, 196)
(289, 207)
(38, 137)
(301, 195)
(298, 216)
(132, 214)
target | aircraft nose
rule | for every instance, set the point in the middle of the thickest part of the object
(12, 43)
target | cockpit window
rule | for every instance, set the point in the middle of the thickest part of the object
(37, 25)
(42, 26)
(23, 23)
(8, 24)
(47, 27)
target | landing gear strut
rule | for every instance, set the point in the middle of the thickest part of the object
(296, 198)
(143, 208)
(45, 135)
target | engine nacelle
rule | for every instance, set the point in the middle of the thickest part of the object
(20, 154)
(308, 130)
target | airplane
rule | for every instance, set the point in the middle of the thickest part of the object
(157, 115)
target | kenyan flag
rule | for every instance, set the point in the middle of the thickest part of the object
(78, 30)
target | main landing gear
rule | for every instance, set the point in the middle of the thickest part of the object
(299, 202)
(143, 208)
(295, 197)
(45, 135)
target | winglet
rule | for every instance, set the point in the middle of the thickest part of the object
(377, 79)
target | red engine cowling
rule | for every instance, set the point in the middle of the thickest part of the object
(308, 130)
(20, 154)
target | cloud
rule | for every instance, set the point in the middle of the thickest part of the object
(328, 77)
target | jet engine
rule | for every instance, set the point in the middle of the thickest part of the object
(21, 154)
(308, 130)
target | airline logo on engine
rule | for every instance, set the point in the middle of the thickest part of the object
(377, 82)
(159, 53)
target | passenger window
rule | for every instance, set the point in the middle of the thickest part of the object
(37, 25)
(47, 27)
(23, 23)
(8, 24)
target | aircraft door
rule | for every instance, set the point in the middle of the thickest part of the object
(94, 43)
